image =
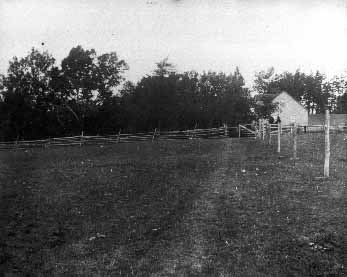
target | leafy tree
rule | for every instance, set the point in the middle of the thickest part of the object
(39, 99)
(164, 68)
(109, 70)
(307, 89)
(336, 88)
(80, 71)
(184, 100)
(152, 102)
(190, 106)
(314, 97)
(91, 81)
(341, 106)
(264, 82)
(263, 106)
(26, 95)
(224, 97)
(267, 82)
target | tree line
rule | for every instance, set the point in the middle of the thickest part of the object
(88, 93)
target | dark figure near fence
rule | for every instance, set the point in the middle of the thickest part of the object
(278, 120)
(271, 120)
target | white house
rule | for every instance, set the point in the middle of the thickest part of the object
(289, 110)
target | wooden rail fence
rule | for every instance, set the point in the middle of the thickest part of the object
(211, 133)
(243, 130)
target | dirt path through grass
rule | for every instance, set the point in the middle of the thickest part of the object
(188, 253)
(259, 215)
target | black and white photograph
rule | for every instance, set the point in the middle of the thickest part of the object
(173, 138)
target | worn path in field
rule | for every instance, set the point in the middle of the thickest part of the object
(188, 253)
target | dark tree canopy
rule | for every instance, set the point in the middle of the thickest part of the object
(109, 75)
(307, 89)
(185, 100)
(263, 106)
(39, 99)
(26, 95)
(79, 70)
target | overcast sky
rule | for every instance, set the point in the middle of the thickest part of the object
(194, 34)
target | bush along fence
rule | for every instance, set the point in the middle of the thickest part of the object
(212, 133)
(271, 133)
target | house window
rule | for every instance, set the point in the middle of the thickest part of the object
(293, 118)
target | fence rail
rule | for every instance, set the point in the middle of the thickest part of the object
(121, 138)
(244, 130)
(306, 129)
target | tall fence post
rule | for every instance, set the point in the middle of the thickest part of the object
(259, 128)
(263, 129)
(47, 143)
(118, 138)
(81, 139)
(225, 129)
(239, 131)
(279, 137)
(193, 132)
(154, 134)
(327, 143)
(269, 133)
(295, 132)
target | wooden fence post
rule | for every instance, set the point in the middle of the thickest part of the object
(118, 138)
(263, 129)
(269, 132)
(327, 143)
(294, 141)
(81, 139)
(259, 128)
(154, 134)
(225, 129)
(193, 132)
(278, 137)
(46, 144)
(239, 131)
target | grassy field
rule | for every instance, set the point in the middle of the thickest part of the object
(210, 207)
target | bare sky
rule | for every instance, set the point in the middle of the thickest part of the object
(195, 34)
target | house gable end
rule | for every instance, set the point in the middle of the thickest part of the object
(284, 94)
(289, 110)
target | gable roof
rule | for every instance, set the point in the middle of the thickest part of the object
(266, 96)
(284, 92)
(271, 97)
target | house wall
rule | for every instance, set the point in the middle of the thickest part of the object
(290, 110)
(335, 119)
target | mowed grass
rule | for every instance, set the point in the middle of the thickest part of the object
(120, 209)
